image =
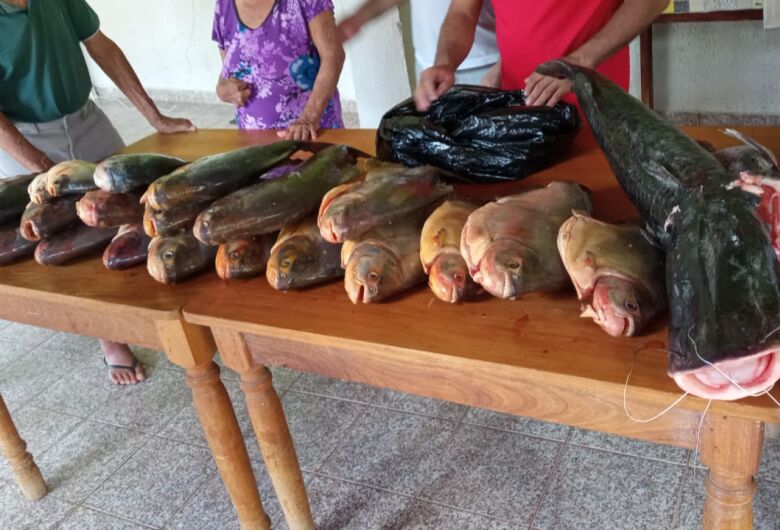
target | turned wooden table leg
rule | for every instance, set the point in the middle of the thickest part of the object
(731, 449)
(26, 472)
(270, 424)
(192, 348)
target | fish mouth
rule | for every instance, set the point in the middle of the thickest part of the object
(754, 375)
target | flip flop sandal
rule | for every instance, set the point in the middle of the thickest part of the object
(130, 368)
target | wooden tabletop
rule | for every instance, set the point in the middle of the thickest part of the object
(540, 334)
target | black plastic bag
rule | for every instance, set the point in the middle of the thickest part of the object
(478, 135)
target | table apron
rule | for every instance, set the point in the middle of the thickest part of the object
(119, 325)
(487, 388)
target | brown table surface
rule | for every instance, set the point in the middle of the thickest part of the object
(540, 337)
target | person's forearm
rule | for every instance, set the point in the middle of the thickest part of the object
(628, 21)
(456, 36)
(113, 62)
(16, 145)
(374, 8)
(324, 85)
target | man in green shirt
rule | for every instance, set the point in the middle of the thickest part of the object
(46, 115)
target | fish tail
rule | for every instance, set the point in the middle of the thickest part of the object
(559, 69)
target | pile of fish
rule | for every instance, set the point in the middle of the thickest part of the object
(715, 218)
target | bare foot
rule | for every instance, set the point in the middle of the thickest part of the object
(117, 354)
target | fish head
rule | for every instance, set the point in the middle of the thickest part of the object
(238, 258)
(619, 306)
(371, 273)
(343, 218)
(449, 278)
(293, 264)
(506, 268)
(170, 258)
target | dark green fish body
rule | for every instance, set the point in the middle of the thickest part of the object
(245, 258)
(130, 247)
(171, 222)
(103, 209)
(75, 242)
(301, 258)
(215, 176)
(13, 246)
(131, 172)
(14, 197)
(176, 258)
(721, 274)
(42, 221)
(269, 206)
(388, 192)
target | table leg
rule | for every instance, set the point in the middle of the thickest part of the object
(731, 449)
(192, 348)
(270, 424)
(26, 472)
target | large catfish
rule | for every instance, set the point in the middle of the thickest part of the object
(618, 272)
(384, 261)
(448, 274)
(103, 209)
(721, 268)
(510, 244)
(302, 258)
(170, 222)
(72, 177)
(14, 197)
(214, 176)
(388, 192)
(270, 205)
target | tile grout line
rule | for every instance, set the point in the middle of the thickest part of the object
(554, 469)
(630, 455)
(678, 504)
(347, 431)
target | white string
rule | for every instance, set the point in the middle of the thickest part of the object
(625, 396)
(698, 437)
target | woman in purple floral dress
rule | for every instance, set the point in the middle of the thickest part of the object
(281, 64)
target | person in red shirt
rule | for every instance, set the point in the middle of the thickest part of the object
(591, 33)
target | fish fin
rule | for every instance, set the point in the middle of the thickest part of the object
(750, 142)
(660, 172)
(588, 312)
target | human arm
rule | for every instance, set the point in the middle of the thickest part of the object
(113, 62)
(628, 21)
(325, 38)
(371, 9)
(455, 40)
(17, 146)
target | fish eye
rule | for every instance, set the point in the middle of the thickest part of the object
(168, 255)
(512, 265)
(457, 276)
(373, 276)
(631, 306)
(286, 263)
(234, 255)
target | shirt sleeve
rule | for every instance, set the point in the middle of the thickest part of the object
(312, 8)
(83, 18)
(218, 29)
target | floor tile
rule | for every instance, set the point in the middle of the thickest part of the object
(85, 519)
(41, 429)
(31, 373)
(317, 424)
(338, 505)
(284, 378)
(185, 426)
(5, 323)
(508, 422)
(766, 508)
(154, 483)
(153, 360)
(627, 446)
(598, 489)
(11, 350)
(78, 464)
(393, 450)
(18, 513)
(495, 473)
(23, 334)
(419, 405)
(770, 460)
(85, 389)
(77, 344)
(148, 406)
(328, 386)
(426, 516)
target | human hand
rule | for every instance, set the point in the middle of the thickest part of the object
(234, 91)
(166, 125)
(350, 26)
(434, 82)
(545, 90)
(302, 129)
(492, 78)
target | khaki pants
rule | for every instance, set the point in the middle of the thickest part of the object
(87, 134)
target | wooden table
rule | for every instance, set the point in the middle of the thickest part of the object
(534, 357)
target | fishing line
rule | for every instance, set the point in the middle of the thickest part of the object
(698, 437)
(625, 394)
